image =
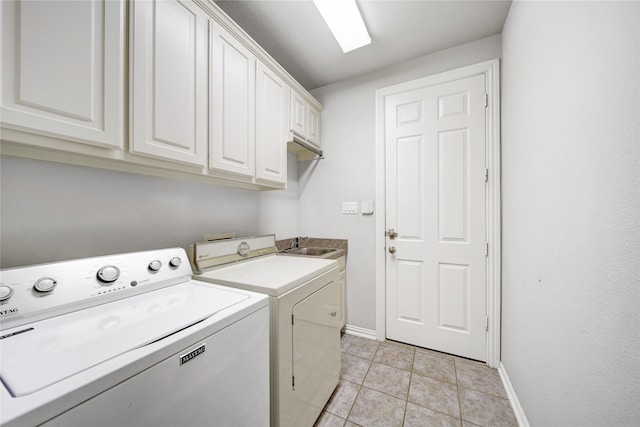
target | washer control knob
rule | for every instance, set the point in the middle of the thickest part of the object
(155, 265)
(175, 262)
(5, 292)
(108, 274)
(45, 284)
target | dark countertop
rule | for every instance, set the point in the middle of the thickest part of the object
(341, 246)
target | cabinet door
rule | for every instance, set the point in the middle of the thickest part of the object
(315, 355)
(232, 124)
(342, 285)
(313, 123)
(271, 126)
(298, 115)
(63, 69)
(169, 80)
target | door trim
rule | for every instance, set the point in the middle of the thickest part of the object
(491, 70)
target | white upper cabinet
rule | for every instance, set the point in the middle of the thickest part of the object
(298, 115)
(232, 118)
(305, 119)
(272, 118)
(169, 80)
(313, 122)
(196, 97)
(63, 69)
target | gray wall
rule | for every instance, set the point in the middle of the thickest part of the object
(51, 211)
(348, 172)
(571, 211)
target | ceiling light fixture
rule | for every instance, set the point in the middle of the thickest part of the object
(345, 22)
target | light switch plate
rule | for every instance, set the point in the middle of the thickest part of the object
(366, 207)
(349, 208)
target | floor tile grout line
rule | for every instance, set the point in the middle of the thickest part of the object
(361, 386)
(404, 412)
(352, 403)
(484, 392)
(457, 363)
(455, 369)
(433, 378)
(433, 409)
(406, 402)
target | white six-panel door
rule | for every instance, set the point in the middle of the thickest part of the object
(435, 196)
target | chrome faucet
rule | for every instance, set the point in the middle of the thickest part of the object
(295, 242)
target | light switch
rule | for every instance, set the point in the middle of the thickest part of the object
(349, 208)
(366, 206)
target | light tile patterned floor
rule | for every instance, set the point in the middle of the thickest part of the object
(391, 384)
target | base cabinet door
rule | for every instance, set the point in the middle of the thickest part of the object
(315, 357)
(271, 126)
(232, 97)
(169, 80)
(63, 69)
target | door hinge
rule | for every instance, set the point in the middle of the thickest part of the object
(486, 249)
(486, 175)
(293, 381)
(292, 319)
(486, 324)
(486, 100)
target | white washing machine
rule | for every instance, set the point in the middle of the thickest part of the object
(130, 340)
(304, 299)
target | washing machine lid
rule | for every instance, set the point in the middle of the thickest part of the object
(272, 274)
(42, 353)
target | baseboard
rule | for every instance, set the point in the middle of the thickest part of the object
(360, 332)
(513, 398)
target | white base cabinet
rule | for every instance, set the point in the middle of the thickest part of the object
(63, 69)
(342, 289)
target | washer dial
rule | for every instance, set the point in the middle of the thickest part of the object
(45, 284)
(5, 292)
(175, 262)
(108, 274)
(155, 265)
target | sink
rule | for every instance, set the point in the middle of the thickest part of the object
(310, 251)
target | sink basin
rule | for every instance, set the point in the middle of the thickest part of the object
(310, 251)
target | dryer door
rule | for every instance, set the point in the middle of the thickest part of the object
(316, 349)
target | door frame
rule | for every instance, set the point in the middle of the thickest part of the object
(491, 70)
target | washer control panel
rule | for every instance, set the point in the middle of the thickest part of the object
(36, 292)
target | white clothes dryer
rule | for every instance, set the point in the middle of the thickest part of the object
(304, 300)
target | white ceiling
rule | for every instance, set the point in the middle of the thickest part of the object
(295, 35)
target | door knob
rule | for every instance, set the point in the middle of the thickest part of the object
(391, 233)
(392, 249)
